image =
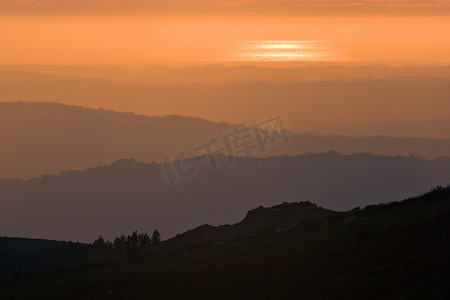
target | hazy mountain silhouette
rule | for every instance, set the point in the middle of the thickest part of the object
(45, 138)
(435, 128)
(127, 195)
(305, 106)
(237, 74)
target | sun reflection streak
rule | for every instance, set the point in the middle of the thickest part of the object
(282, 50)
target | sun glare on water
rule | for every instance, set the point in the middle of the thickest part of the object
(281, 50)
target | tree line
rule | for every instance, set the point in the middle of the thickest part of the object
(134, 244)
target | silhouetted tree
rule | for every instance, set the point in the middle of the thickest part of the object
(156, 237)
(109, 245)
(144, 240)
(132, 244)
(120, 243)
(135, 243)
(99, 243)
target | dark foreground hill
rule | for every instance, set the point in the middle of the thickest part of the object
(127, 196)
(282, 217)
(21, 257)
(398, 250)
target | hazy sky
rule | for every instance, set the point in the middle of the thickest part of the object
(158, 31)
(266, 6)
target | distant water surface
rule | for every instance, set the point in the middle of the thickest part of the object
(281, 50)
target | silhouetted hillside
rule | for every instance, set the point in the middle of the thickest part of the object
(23, 257)
(45, 138)
(281, 217)
(397, 250)
(127, 196)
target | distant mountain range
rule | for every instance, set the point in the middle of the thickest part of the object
(45, 138)
(237, 74)
(127, 196)
(331, 106)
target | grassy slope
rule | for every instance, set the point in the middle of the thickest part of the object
(398, 251)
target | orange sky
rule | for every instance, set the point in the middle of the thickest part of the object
(32, 35)
(206, 6)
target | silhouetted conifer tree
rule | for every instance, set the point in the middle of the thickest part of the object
(156, 237)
